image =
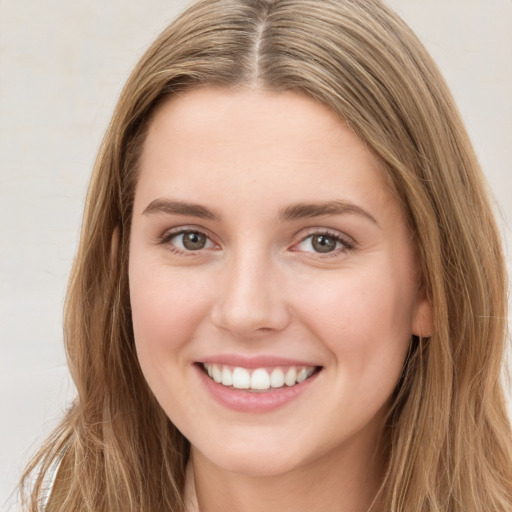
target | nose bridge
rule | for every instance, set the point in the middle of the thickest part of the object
(250, 299)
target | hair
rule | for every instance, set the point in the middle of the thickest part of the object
(448, 438)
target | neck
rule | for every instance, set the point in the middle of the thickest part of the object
(341, 482)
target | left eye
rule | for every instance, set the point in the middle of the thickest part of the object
(322, 243)
(190, 241)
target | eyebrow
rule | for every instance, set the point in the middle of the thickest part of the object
(310, 210)
(293, 212)
(173, 207)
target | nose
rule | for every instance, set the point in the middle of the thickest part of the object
(251, 298)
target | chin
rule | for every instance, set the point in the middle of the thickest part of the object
(251, 460)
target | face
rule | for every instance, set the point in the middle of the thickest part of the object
(273, 281)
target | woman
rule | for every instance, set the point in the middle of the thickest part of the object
(290, 291)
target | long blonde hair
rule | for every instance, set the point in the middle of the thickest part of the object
(448, 440)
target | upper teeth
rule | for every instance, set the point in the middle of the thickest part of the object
(258, 378)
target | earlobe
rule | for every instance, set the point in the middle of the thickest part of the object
(423, 321)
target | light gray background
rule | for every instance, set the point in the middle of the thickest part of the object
(62, 66)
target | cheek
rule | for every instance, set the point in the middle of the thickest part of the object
(359, 304)
(166, 309)
(365, 320)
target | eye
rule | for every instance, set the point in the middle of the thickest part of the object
(324, 243)
(189, 240)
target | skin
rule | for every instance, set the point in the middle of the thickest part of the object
(260, 287)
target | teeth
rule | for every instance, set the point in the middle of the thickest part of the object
(217, 375)
(259, 378)
(227, 377)
(277, 378)
(291, 377)
(302, 375)
(241, 378)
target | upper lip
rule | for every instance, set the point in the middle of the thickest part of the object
(254, 361)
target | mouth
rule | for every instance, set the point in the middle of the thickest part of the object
(258, 379)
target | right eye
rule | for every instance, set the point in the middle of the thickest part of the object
(188, 240)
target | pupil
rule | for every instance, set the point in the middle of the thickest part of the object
(194, 241)
(323, 243)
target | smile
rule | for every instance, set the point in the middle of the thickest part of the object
(258, 379)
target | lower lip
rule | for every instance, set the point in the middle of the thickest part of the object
(250, 401)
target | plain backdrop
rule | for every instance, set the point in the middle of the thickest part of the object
(62, 66)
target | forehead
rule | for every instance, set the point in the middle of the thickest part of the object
(257, 145)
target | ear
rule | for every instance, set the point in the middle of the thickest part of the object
(114, 248)
(423, 319)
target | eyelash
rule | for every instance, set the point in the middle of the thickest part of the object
(169, 235)
(347, 244)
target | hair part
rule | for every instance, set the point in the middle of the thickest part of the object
(448, 440)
